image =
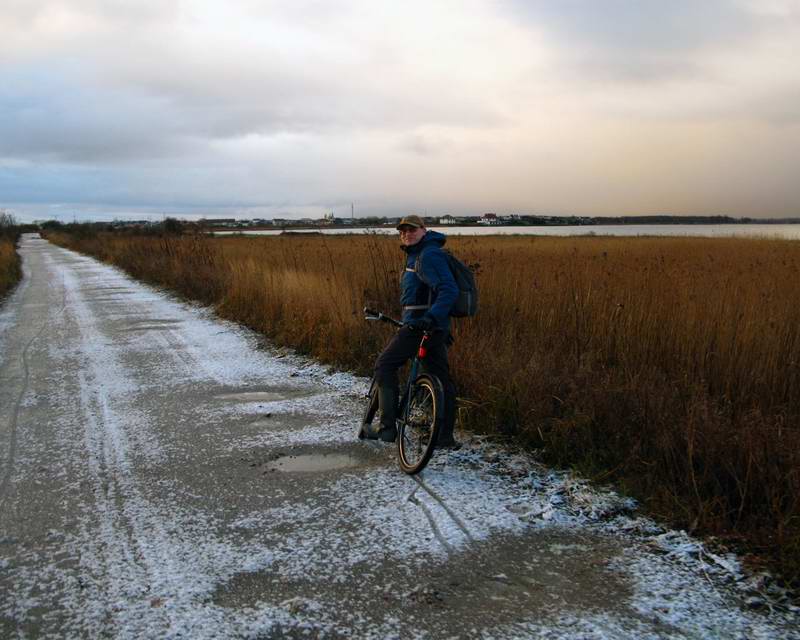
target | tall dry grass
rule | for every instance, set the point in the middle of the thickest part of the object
(670, 366)
(10, 271)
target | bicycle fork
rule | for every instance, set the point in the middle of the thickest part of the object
(405, 401)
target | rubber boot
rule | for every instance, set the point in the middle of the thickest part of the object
(387, 401)
(366, 430)
(445, 439)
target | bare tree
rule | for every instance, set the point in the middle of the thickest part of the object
(6, 219)
(8, 226)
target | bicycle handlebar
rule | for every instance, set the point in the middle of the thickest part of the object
(371, 314)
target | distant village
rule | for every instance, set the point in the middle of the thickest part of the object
(330, 220)
(486, 219)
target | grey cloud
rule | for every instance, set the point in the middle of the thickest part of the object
(781, 107)
(672, 60)
(173, 108)
(639, 25)
(133, 90)
(232, 95)
(425, 145)
(49, 117)
(637, 41)
(621, 67)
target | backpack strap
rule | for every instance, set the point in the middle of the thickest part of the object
(416, 307)
(418, 266)
(418, 270)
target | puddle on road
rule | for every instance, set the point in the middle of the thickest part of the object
(110, 294)
(252, 396)
(106, 289)
(164, 321)
(154, 324)
(299, 462)
(263, 396)
(313, 462)
(111, 298)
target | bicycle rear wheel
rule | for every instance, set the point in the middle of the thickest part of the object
(417, 432)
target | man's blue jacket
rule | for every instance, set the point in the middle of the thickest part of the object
(432, 291)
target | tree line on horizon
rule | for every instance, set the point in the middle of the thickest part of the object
(176, 225)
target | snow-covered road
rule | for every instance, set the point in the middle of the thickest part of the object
(148, 489)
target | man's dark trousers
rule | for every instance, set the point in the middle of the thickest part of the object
(401, 348)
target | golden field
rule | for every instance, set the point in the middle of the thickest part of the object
(670, 366)
(9, 265)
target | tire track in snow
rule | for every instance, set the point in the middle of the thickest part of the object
(440, 501)
(133, 552)
(14, 423)
(150, 564)
(412, 498)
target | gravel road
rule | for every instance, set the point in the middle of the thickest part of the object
(167, 474)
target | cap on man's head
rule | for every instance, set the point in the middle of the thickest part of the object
(411, 221)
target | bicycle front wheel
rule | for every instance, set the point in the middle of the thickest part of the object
(417, 432)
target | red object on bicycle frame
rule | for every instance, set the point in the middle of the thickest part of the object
(423, 350)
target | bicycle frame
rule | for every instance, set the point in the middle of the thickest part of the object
(402, 407)
(412, 375)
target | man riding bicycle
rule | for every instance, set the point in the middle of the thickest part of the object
(427, 293)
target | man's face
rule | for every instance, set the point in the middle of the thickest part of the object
(411, 235)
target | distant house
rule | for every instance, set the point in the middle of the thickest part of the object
(131, 223)
(280, 222)
(489, 218)
(448, 220)
(218, 222)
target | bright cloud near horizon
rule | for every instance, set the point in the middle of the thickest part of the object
(259, 108)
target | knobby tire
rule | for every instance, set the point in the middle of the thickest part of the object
(418, 430)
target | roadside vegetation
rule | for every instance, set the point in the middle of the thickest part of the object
(10, 270)
(670, 366)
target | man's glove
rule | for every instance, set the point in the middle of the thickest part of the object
(425, 323)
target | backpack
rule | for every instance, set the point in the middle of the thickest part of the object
(466, 305)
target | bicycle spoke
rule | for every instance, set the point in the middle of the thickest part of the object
(418, 430)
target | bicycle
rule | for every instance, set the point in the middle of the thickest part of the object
(419, 410)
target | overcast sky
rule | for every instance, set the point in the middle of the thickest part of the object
(299, 107)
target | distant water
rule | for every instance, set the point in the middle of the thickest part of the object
(785, 231)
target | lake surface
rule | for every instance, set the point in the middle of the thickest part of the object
(785, 231)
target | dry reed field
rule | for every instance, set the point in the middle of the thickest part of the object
(9, 265)
(670, 366)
